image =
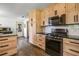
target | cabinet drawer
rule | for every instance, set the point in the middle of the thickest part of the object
(8, 45)
(7, 39)
(41, 40)
(42, 46)
(71, 42)
(67, 54)
(71, 47)
(9, 52)
(72, 51)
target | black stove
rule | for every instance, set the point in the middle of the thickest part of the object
(54, 43)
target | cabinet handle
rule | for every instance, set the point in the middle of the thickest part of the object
(3, 46)
(40, 44)
(74, 42)
(74, 18)
(74, 50)
(3, 39)
(3, 54)
(40, 39)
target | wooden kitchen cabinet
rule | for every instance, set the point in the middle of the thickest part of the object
(60, 8)
(8, 45)
(72, 13)
(45, 16)
(34, 24)
(70, 17)
(70, 47)
(51, 10)
(77, 11)
(41, 41)
(38, 20)
(70, 7)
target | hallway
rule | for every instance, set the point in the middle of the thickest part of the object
(26, 49)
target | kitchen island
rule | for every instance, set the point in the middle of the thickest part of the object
(8, 44)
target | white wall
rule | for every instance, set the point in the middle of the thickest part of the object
(7, 18)
(6, 21)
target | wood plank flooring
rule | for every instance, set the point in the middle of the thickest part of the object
(26, 49)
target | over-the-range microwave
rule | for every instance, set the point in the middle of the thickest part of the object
(57, 20)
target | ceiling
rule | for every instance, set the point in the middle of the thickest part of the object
(19, 9)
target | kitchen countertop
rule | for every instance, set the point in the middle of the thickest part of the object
(73, 37)
(6, 35)
(76, 37)
(41, 33)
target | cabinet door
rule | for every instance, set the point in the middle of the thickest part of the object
(77, 7)
(46, 15)
(77, 11)
(70, 17)
(70, 7)
(60, 8)
(51, 10)
(32, 26)
(42, 18)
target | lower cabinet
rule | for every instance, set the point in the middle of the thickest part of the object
(41, 41)
(70, 47)
(8, 52)
(8, 45)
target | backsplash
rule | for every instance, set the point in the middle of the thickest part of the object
(72, 29)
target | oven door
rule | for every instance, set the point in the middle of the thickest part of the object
(54, 48)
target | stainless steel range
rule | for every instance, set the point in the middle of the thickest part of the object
(54, 42)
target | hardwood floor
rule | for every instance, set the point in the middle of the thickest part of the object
(26, 49)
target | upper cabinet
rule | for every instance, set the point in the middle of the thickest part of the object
(52, 10)
(72, 13)
(44, 16)
(77, 10)
(70, 7)
(59, 9)
(38, 20)
(70, 18)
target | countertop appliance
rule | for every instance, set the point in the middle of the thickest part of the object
(54, 42)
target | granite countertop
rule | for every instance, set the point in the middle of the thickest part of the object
(4, 35)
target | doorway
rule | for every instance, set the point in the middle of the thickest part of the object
(26, 30)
